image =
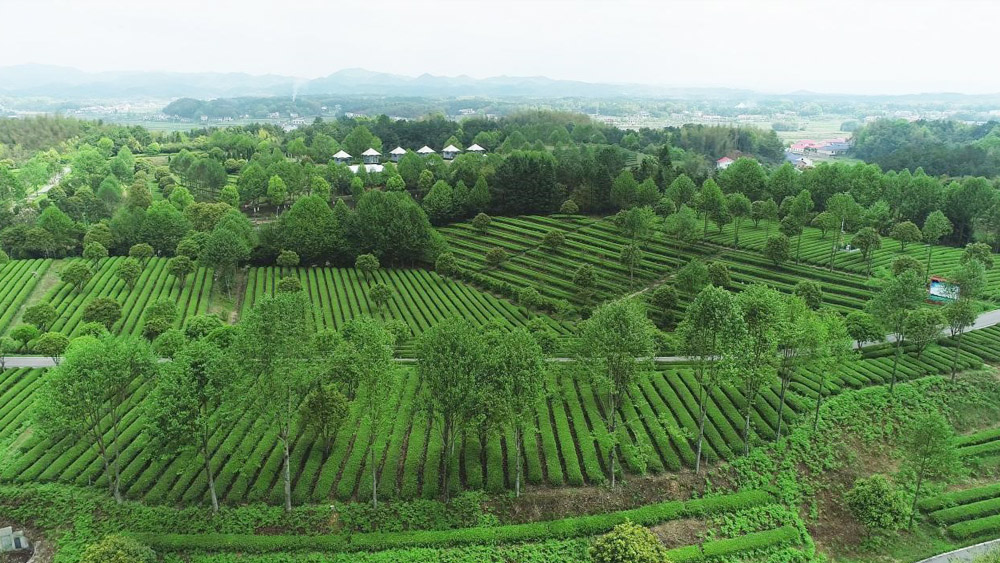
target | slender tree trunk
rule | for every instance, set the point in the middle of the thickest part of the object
(833, 249)
(927, 275)
(819, 399)
(518, 437)
(781, 403)
(746, 425)
(613, 454)
(115, 459)
(447, 457)
(287, 472)
(701, 428)
(107, 463)
(208, 469)
(954, 359)
(916, 494)
(371, 448)
(895, 364)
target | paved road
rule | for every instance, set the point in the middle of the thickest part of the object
(965, 554)
(52, 183)
(987, 319)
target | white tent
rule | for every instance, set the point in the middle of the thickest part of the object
(425, 150)
(475, 148)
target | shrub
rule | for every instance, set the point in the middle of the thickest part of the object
(569, 207)
(877, 504)
(553, 239)
(811, 292)
(628, 543)
(169, 343)
(495, 257)
(117, 549)
(289, 284)
(103, 310)
(481, 222)
(40, 315)
(200, 325)
(718, 275)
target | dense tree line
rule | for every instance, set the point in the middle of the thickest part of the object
(941, 147)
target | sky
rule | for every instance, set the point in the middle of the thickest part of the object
(837, 46)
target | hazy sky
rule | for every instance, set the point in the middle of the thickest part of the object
(872, 46)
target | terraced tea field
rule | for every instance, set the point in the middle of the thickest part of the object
(599, 243)
(154, 283)
(563, 447)
(967, 514)
(17, 279)
(816, 251)
(419, 298)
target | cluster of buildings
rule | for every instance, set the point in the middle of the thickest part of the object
(800, 152)
(372, 159)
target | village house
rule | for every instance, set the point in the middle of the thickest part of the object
(396, 154)
(723, 163)
(450, 152)
(371, 156)
(425, 151)
(476, 149)
(341, 157)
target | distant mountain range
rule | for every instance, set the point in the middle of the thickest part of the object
(32, 80)
(67, 83)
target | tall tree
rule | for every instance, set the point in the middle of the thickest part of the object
(451, 358)
(190, 402)
(90, 392)
(739, 207)
(834, 354)
(842, 208)
(272, 343)
(929, 450)
(514, 363)
(936, 226)
(892, 306)
(616, 344)
(369, 346)
(755, 355)
(708, 327)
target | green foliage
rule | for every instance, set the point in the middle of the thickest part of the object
(778, 249)
(103, 310)
(877, 504)
(628, 543)
(118, 549)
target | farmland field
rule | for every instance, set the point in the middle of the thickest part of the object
(598, 243)
(563, 447)
(816, 250)
(419, 298)
(154, 283)
(968, 514)
(17, 279)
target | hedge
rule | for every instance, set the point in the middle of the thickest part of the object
(535, 531)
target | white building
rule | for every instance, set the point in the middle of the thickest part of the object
(368, 168)
(371, 156)
(425, 151)
(341, 157)
(450, 152)
(723, 163)
(476, 149)
(396, 154)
